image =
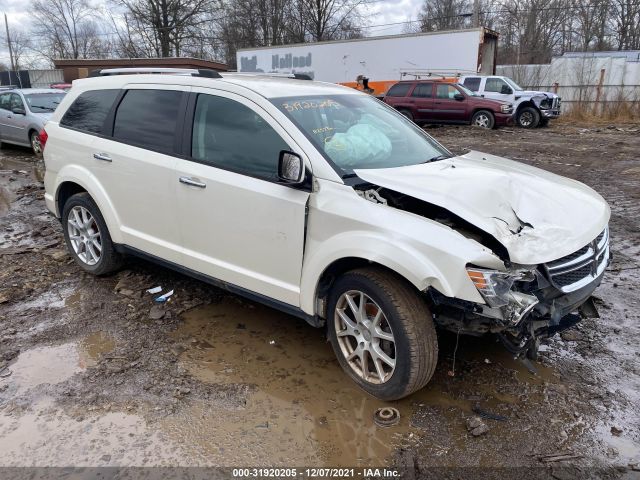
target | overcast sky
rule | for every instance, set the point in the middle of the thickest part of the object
(380, 12)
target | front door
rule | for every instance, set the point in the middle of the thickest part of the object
(445, 107)
(497, 89)
(14, 128)
(238, 224)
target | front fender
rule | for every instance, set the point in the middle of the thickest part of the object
(83, 177)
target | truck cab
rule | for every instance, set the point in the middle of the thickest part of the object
(532, 108)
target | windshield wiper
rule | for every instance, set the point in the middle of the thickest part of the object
(42, 107)
(438, 157)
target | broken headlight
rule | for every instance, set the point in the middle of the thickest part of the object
(495, 285)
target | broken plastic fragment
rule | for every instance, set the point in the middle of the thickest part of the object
(164, 298)
(154, 290)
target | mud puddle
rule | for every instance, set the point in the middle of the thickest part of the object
(304, 410)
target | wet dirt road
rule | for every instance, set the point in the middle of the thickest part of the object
(93, 373)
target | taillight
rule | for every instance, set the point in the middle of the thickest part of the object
(43, 138)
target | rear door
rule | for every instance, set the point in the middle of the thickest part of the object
(238, 223)
(135, 162)
(422, 97)
(445, 107)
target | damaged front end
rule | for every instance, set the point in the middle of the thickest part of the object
(528, 303)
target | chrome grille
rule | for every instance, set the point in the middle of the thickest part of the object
(581, 267)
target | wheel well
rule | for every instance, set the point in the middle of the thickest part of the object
(528, 103)
(482, 109)
(31, 130)
(66, 191)
(335, 270)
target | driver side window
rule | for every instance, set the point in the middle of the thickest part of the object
(16, 101)
(230, 135)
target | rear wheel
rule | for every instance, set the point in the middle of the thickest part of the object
(528, 117)
(407, 113)
(484, 119)
(382, 333)
(87, 237)
(36, 146)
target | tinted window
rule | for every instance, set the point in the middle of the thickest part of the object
(16, 101)
(472, 83)
(495, 85)
(422, 90)
(399, 90)
(5, 100)
(148, 118)
(89, 111)
(446, 91)
(232, 136)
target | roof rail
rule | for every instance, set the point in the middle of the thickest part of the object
(418, 74)
(297, 76)
(194, 72)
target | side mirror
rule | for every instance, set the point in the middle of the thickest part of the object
(18, 111)
(459, 97)
(291, 168)
(506, 90)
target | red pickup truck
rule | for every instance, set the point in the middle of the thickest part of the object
(433, 101)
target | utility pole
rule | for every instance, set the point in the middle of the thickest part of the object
(13, 67)
(476, 13)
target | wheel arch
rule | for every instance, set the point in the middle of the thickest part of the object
(76, 180)
(526, 103)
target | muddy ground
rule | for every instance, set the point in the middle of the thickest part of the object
(93, 373)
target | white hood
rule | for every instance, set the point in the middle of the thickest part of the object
(538, 216)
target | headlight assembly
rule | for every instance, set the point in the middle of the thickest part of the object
(494, 285)
(506, 108)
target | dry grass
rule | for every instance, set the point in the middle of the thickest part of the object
(609, 112)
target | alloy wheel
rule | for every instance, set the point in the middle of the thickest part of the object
(84, 235)
(482, 121)
(365, 337)
(35, 144)
(526, 119)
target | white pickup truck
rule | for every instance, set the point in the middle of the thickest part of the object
(532, 108)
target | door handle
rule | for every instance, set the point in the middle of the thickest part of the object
(102, 156)
(192, 182)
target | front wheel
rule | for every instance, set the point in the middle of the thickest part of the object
(406, 113)
(528, 117)
(484, 119)
(87, 237)
(36, 146)
(382, 333)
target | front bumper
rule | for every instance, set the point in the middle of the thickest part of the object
(550, 113)
(503, 119)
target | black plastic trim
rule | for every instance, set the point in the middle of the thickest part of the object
(313, 320)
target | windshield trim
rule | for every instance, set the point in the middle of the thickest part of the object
(343, 173)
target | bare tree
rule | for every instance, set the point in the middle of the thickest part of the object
(625, 23)
(444, 15)
(65, 28)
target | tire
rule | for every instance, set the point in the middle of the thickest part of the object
(405, 319)
(84, 252)
(528, 117)
(406, 113)
(484, 119)
(544, 122)
(34, 140)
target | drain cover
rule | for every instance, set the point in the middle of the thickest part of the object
(386, 417)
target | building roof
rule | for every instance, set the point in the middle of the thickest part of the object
(184, 62)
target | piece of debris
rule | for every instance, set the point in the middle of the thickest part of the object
(571, 336)
(484, 414)
(154, 290)
(386, 417)
(241, 326)
(157, 312)
(559, 457)
(59, 255)
(272, 342)
(3, 299)
(5, 372)
(476, 426)
(616, 431)
(164, 298)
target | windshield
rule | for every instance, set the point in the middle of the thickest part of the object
(44, 102)
(358, 131)
(513, 84)
(466, 90)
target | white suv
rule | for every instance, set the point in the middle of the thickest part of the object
(327, 204)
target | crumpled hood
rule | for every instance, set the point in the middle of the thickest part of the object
(533, 93)
(538, 216)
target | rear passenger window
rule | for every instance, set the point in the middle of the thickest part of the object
(89, 110)
(148, 118)
(422, 90)
(399, 90)
(229, 135)
(472, 83)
